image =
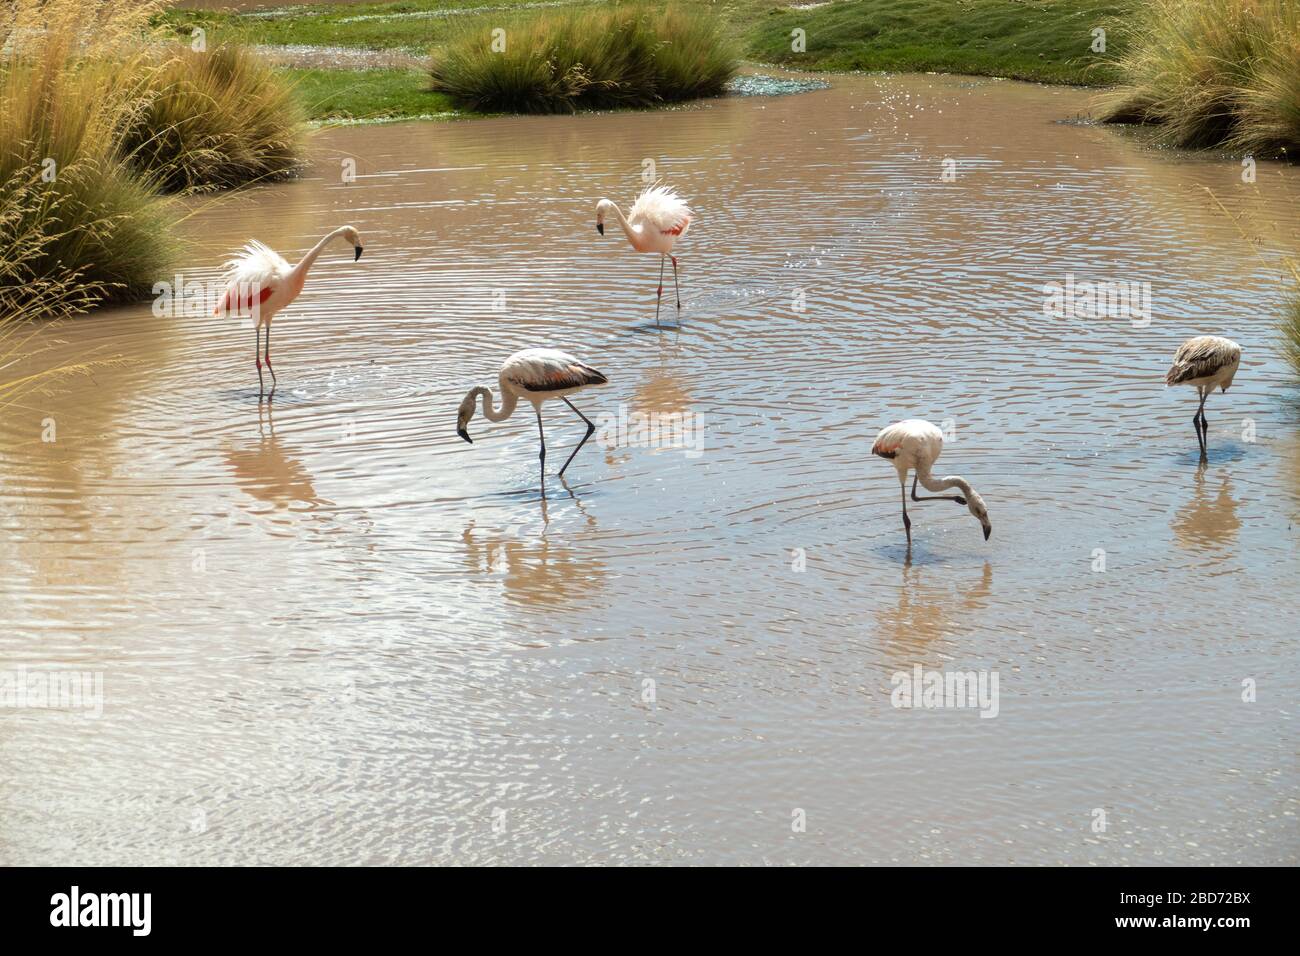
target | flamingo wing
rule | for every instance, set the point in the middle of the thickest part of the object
(251, 277)
(662, 209)
(1201, 357)
(912, 435)
(549, 370)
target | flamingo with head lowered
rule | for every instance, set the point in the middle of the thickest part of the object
(658, 217)
(533, 375)
(260, 282)
(1205, 362)
(915, 445)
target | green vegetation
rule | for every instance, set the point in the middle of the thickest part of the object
(1215, 72)
(1047, 40)
(593, 58)
(366, 94)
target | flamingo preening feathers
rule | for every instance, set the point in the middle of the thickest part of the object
(533, 375)
(1204, 362)
(914, 445)
(260, 282)
(658, 217)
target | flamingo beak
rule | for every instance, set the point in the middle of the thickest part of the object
(358, 250)
(988, 530)
(600, 228)
(465, 435)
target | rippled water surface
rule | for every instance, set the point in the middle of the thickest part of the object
(333, 632)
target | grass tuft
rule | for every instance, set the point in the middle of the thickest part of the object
(1215, 73)
(594, 58)
(214, 120)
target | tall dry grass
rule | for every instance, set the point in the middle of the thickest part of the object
(1290, 326)
(77, 224)
(98, 118)
(213, 120)
(1215, 72)
(630, 55)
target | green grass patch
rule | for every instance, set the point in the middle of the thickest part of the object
(366, 94)
(1045, 40)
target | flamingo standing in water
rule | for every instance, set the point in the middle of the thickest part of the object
(259, 281)
(1204, 362)
(915, 445)
(534, 375)
(658, 217)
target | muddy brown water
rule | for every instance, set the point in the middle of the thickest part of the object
(335, 633)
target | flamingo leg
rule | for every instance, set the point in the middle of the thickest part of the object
(907, 522)
(659, 293)
(590, 428)
(915, 497)
(541, 456)
(677, 290)
(1202, 428)
(268, 360)
(257, 355)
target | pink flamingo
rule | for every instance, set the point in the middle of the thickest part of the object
(260, 282)
(914, 444)
(659, 216)
(534, 375)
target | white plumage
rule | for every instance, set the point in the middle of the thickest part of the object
(255, 264)
(1205, 362)
(534, 375)
(660, 208)
(915, 445)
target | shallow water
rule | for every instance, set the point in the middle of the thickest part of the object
(337, 633)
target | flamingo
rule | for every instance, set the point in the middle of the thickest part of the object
(659, 216)
(260, 281)
(534, 375)
(1204, 362)
(915, 445)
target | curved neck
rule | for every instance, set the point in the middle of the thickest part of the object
(508, 402)
(622, 221)
(299, 272)
(930, 483)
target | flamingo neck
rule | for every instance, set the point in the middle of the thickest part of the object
(491, 413)
(299, 273)
(629, 230)
(930, 483)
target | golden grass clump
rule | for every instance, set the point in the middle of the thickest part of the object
(1215, 72)
(76, 224)
(629, 55)
(214, 120)
(98, 118)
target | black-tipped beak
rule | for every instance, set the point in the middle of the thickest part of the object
(465, 435)
(358, 251)
(988, 530)
(600, 228)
